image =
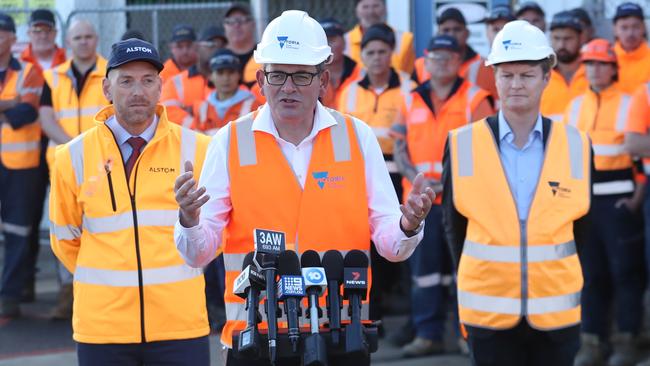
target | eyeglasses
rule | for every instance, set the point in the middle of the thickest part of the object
(301, 78)
(237, 20)
(439, 57)
(38, 30)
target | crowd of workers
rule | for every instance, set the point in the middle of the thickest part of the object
(411, 104)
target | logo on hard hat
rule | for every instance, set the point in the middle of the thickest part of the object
(509, 44)
(285, 41)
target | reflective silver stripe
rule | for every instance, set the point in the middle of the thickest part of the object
(188, 147)
(423, 167)
(623, 109)
(151, 276)
(391, 167)
(472, 71)
(398, 41)
(76, 147)
(471, 93)
(212, 131)
(20, 146)
(553, 304)
(34, 90)
(237, 311)
(575, 152)
(381, 132)
(246, 107)
(246, 142)
(65, 232)
(464, 149)
(506, 305)
(437, 167)
(405, 89)
(172, 103)
(352, 98)
(512, 254)
(340, 140)
(18, 230)
(203, 112)
(123, 221)
(608, 150)
(574, 113)
(433, 279)
(614, 187)
(55, 79)
(74, 112)
(178, 83)
(346, 36)
(555, 117)
(20, 79)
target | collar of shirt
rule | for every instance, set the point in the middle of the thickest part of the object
(121, 134)
(264, 122)
(506, 134)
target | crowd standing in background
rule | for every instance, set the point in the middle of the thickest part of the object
(553, 141)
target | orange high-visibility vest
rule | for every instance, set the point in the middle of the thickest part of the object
(181, 91)
(426, 133)
(512, 268)
(639, 116)
(473, 70)
(403, 55)
(558, 93)
(28, 56)
(169, 70)
(20, 148)
(633, 67)
(332, 94)
(208, 121)
(331, 212)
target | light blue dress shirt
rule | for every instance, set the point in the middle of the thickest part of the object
(122, 135)
(522, 166)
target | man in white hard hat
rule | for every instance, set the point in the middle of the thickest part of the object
(296, 167)
(516, 194)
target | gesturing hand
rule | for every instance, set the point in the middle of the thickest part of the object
(417, 205)
(189, 198)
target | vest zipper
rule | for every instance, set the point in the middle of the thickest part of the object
(110, 188)
(524, 265)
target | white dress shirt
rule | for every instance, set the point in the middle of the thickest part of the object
(198, 245)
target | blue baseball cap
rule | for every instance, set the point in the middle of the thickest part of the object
(133, 49)
(499, 12)
(183, 32)
(332, 27)
(628, 10)
(225, 59)
(7, 23)
(443, 42)
(566, 19)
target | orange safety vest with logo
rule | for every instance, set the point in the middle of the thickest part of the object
(130, 283)
(403, 54)
(207, 120)
(20, 148)
(75, 114)
(426, 133)
(633, 67)
(639, 116)
(181, 91)
(352, 72)
(512, 268)
(381, 111)
(333, 204)
(603, 117)
(558, 93)
(169, 70)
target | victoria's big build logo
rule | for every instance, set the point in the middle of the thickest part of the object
(287, 43)
(325, 181)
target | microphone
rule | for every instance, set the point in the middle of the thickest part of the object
(248, 286)
(355, 286)
(291, 288)
(333, 263)
(315, 350)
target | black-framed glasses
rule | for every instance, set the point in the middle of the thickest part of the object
(300, 78)
(237, 20)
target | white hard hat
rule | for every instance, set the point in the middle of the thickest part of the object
(293, 38)
(519, 40)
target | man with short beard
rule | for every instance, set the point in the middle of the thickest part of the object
(567, 78)
(632, 50)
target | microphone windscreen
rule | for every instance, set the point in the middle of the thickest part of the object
(289, 264)
(356, 258)
(333, 264)
(248, 260)
(310, 258)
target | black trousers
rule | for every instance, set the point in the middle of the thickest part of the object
(523, 345)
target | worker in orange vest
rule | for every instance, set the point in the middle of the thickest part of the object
(343, 70)
(632, 50)
(612, 260)
(240, 33)
(183, 48)
(296, 167)
(438, 105)
(516, 193)
(568, 79)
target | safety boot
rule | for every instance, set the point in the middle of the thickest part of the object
(590, 353)
(625, 352)
(63, 308)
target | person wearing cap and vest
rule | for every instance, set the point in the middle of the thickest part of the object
(531, 12)
(343, 70)
(228, 101)
(20, 142)
(612, 260)
(112, 213)
(632, 50)
(181, 91)
(240, 32)
(322, 170)
(183, 48)
(498, 16)
(568, 79)
(588, 30)
(444, 102)
(72, 95)
(452, 23)
(370, 12)
(516, 195)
